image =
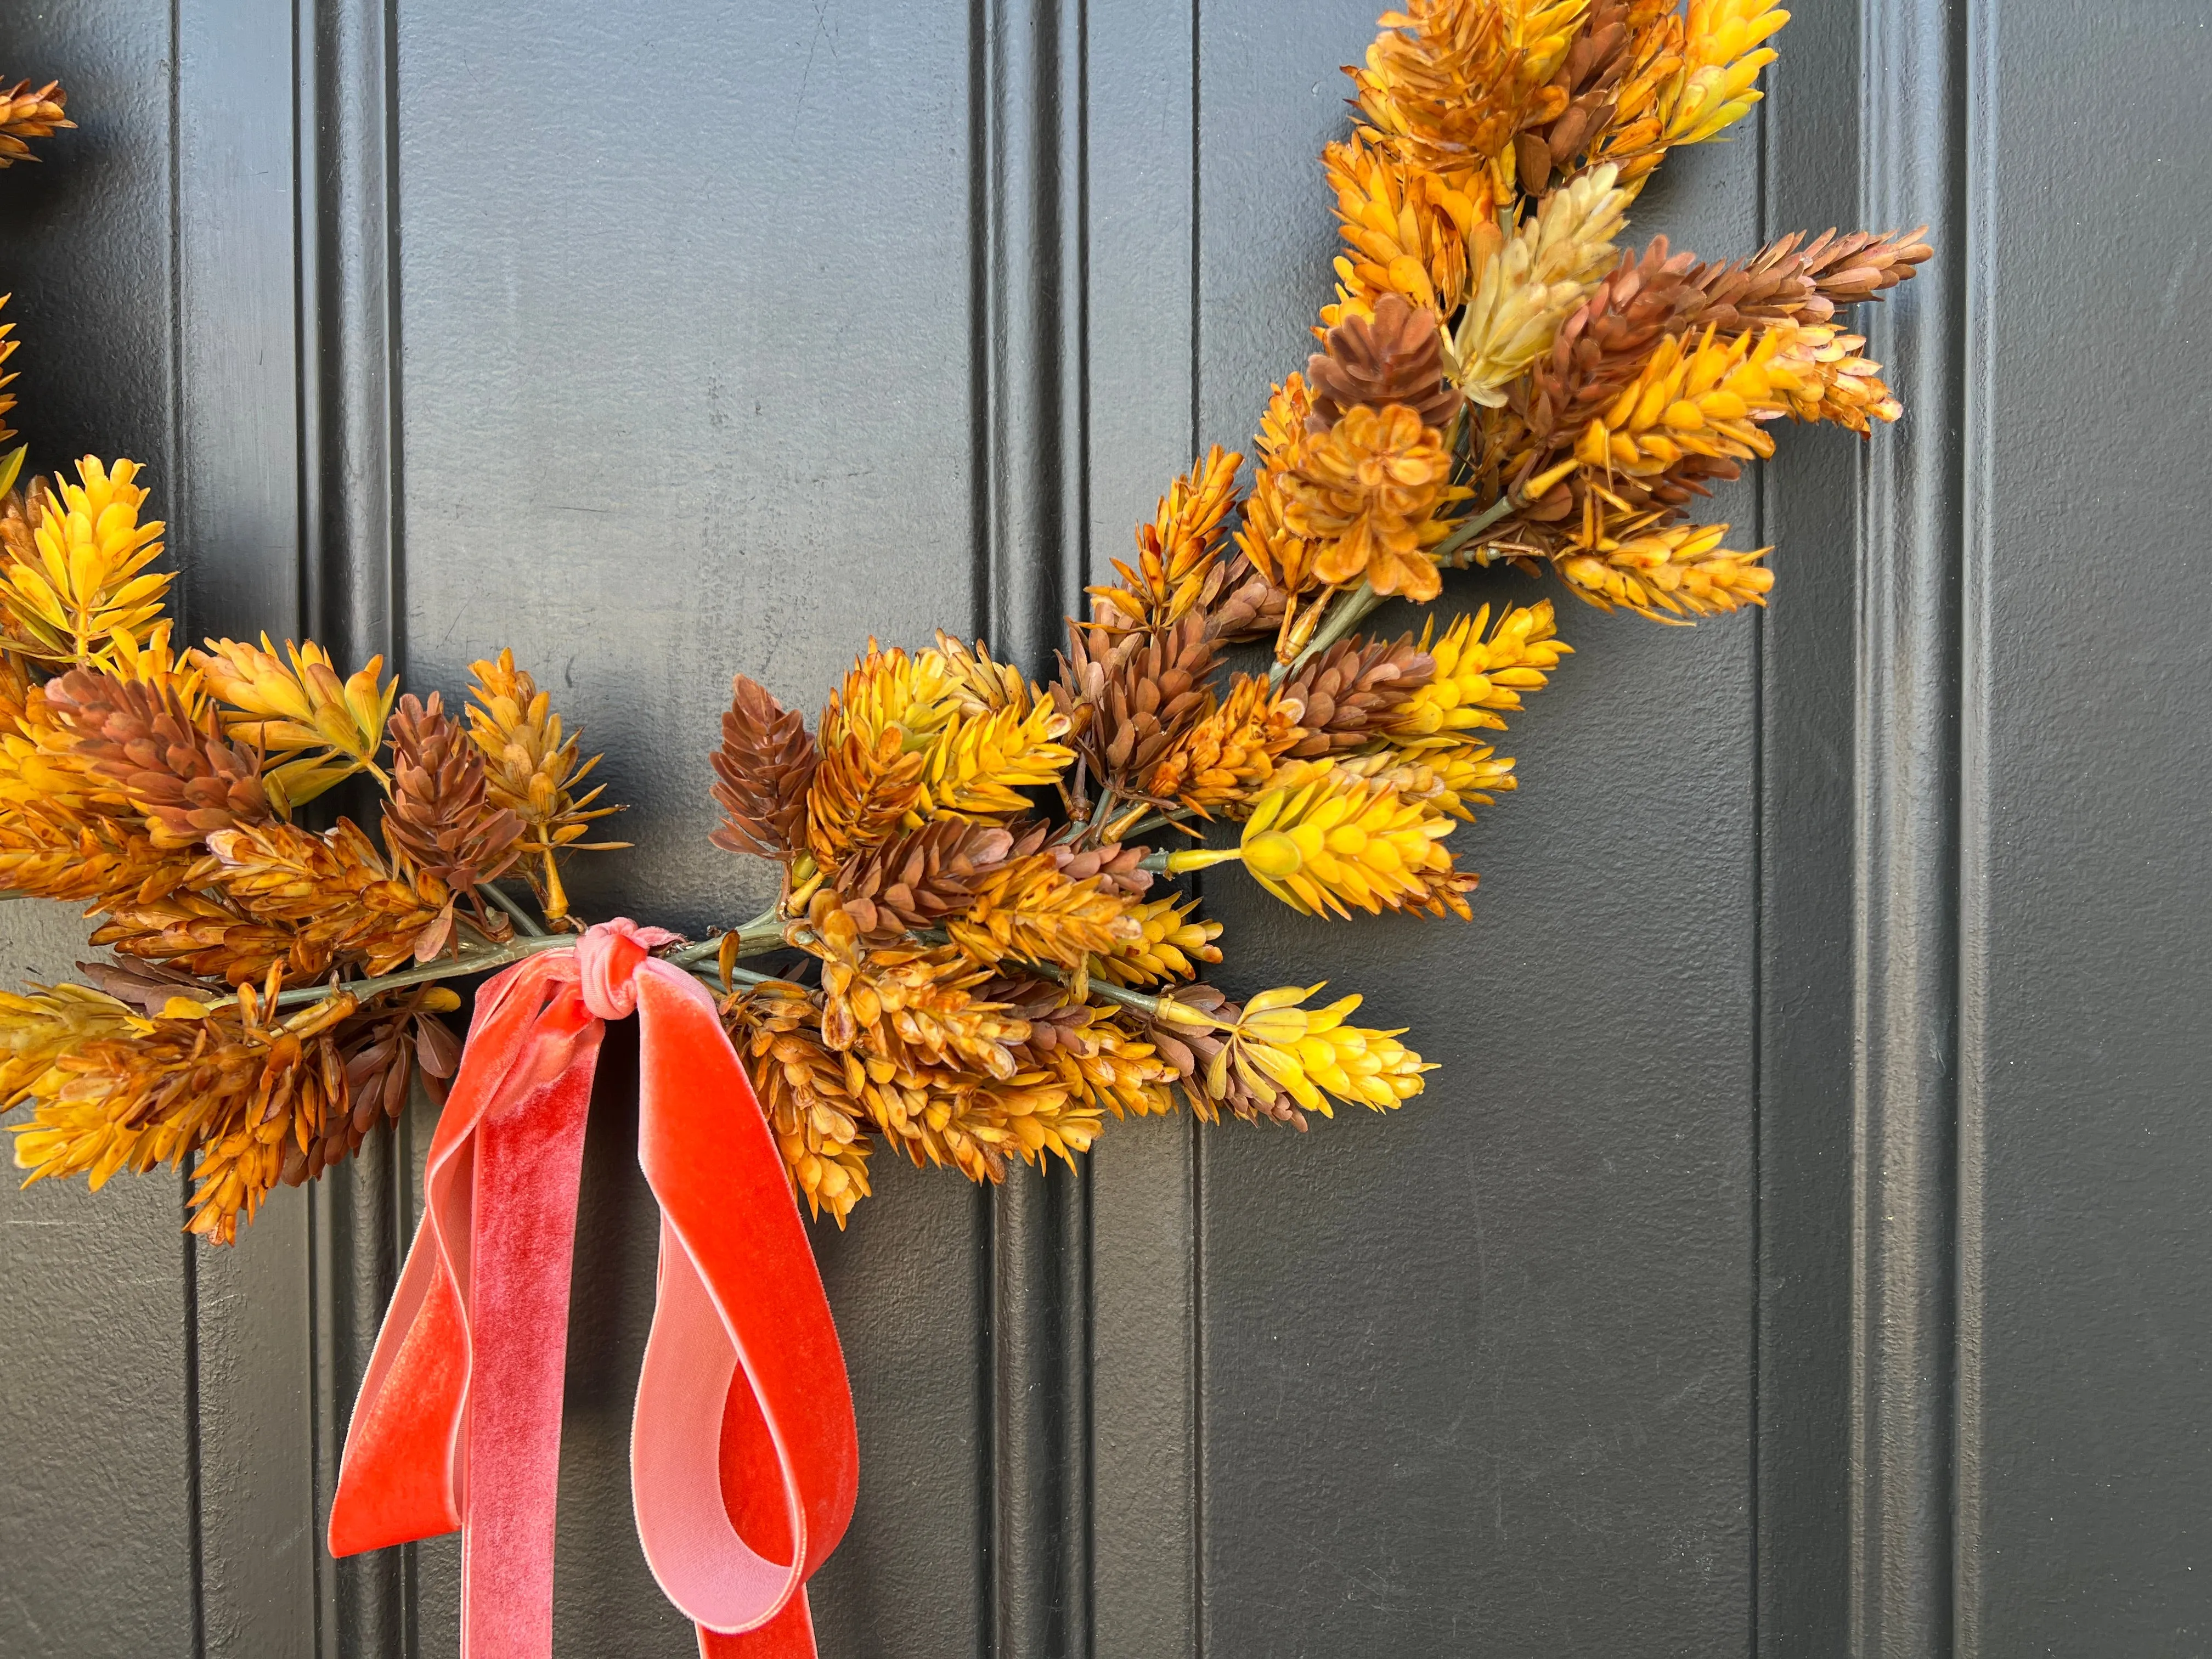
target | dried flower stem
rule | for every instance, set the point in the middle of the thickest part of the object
(1350, 609)
(764, 933)
(455, 967)
(1345, 613)
(1473, 527)
(514, 908)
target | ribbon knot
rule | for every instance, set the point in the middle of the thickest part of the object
(743, 1462)
(608, 958)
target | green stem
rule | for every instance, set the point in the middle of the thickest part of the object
(1350, 610)
(473, 962)
(1184, 860)
(711, 977)
(523, 920)
(1099, 987)
(1344, 614)
(764, 933)
(1158, 820)
(1473, 527)
(1148, 1006)
(753, 938)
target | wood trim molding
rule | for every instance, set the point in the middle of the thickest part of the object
(1905, 956)
(1031, 512)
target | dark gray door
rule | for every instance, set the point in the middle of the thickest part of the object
(1803, 1250)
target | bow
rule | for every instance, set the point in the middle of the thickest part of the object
(743, 1463)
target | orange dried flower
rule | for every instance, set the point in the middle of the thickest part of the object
(1369, 492)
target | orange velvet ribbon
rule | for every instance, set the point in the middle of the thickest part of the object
(743, 1463)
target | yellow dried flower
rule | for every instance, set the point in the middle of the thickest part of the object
(27, 113)
(1833, 382)
(1038, 1114)
(532, 770)
(1634, 136)
(1110, 1070)
(1278, 553)
(330, 728)
(1026, 908)
(89, 577)
(343, 901)
(1324, 837)
(874, 737)
(1668, 572)
(1451, 82)
(1406, 230)
(1706, 396)
(889, 692)
(1230, 752)
(1447, 779)
(933, 1115)
(806, 1093)
(1276, 1045)
(982, 686)
(1368, 493)
(233, 1086)
(1173, 940)
(11, 464)
(1722, 56)
(975, 768)
(1478, 674)
(40, 1024)
(914, 1007)
(1529, 285)
(42, 777)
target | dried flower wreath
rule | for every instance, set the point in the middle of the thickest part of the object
(981, 980)
(981, 970)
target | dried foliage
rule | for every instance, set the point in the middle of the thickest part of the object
(983, 974)
(162, 791)
(28, 113)
(979, 966)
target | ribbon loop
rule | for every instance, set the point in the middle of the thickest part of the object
(745, 1462)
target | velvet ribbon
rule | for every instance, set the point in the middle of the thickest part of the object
(743, 1463)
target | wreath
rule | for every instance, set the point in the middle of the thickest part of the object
(982, 947)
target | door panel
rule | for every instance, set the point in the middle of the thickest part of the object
(1793, 1253)
(685, 372)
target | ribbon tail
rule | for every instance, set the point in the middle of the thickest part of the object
(459, 1419)
(789, 1635)
(529, 1160)
(744, 1457)
(399, 1481)
(402, 1473)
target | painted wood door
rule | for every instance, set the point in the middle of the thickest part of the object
(1800, 1251)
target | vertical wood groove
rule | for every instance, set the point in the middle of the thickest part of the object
(180, 508)
(1765, 117)
(1906, 951)
(234, 512)
(1141, 286)
(1977, 252)
(1031, 246)
(1196, 1153)
(348, 587)
(1806, 721)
